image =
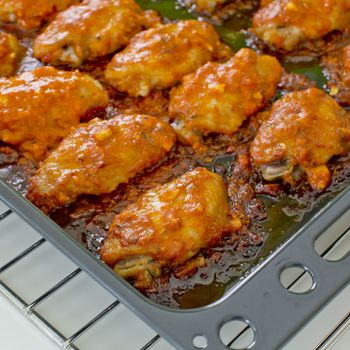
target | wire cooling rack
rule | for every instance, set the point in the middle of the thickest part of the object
(59, 292)
(51, 301)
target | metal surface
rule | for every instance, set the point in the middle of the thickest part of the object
(259, 299)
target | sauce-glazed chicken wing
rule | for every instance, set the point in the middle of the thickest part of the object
(302, 132)
(285, 23)
(219, 97)
(39, 108)
(159, 57)
(168, 225)
(31, 14)
(89, 30)
(10, 53)
(98, 156)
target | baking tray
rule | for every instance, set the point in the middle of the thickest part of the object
(273, 312)
(259, 299)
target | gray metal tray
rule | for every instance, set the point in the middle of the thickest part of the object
(273, 312)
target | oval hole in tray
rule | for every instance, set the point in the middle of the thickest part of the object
(334, 243)
(297, 279)
(237, 334)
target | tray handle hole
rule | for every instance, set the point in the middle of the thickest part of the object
(334, 243)
(298, 279)
(237, 334)
(200, 341)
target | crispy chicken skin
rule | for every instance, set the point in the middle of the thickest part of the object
(31, 14)
(91, 29)
(159, 57)
(168, 225)
(285, 23)
(302, 132)
(219, 97)
(98, 156)
(39, 108)
(10, 53)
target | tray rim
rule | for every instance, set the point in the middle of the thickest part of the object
(129, 295)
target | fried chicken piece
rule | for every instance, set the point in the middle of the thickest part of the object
(98, 156)
(303, 131)
(159, 57)
(168, 225)
(31, 14)
(285, 23)
(219, 97)
(10, 53)
(39, 108)
(337, 70)
(89, 30)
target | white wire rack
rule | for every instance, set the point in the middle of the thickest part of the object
(63, 301)
(77, 313)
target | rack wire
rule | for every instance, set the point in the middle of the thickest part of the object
(150, 340)
(30, 308)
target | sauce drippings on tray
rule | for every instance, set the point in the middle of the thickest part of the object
(270, 212)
